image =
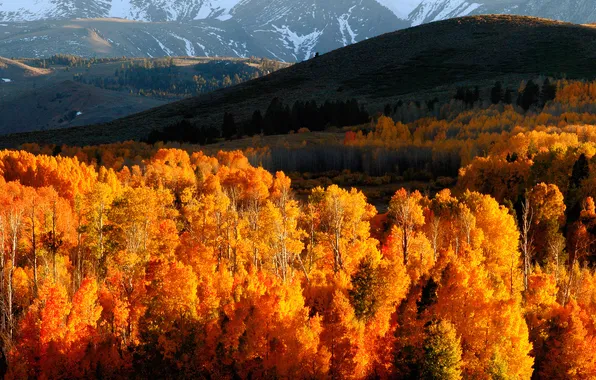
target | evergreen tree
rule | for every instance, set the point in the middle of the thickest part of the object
(256, 124)
(277, 118)
(429, 295)
(476, 94)
(442, 352)
(364, 288)
(460, 94)
(529, 96)
(229, 126)
(496, 94)
(548, 93)
(508, 98)
(387, 110)
(580, 171)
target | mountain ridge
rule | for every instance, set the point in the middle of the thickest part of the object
(279, 29)
(415, 11)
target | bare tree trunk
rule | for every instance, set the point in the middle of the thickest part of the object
(34, 249)
(303, 269)
(436, 222)
(54, 239)
(526, 239)
(579, 247)
(2, 274)
(79, 259)
(555, 247)
(568, 285)
(405, 242)
(15, 224)
(100, 230)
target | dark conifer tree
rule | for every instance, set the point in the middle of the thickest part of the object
(529, 96)
(256, 124)
(387, 110)
(460, 94)
(508, 97)
(548, 93)
(496, 94)
(229, 126)
(580, 171)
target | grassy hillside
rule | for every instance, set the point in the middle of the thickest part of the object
(68, 104)
(45, 94)
(417, 63)
(11, 69)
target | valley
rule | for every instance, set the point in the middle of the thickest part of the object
(66, 91)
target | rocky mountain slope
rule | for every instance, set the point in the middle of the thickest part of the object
(576, 11)
(289, 30)
(117, 38)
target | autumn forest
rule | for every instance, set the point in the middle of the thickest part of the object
(137, 260)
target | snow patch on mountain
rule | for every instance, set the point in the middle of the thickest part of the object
(471, 8)
(219, 9)
(121, 8)
(41, 7)
(17, 10)
(401, 8)
(298, 43)
(163, 47)
(433, 10)
(458, 7)
(190, 49)
(345, 28)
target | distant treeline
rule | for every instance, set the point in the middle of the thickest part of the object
(70, 61)
(184, 132)
(279, 119)
(412, 162)
(163, 78)
(531, 95)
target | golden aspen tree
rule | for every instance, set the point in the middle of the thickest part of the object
(406, 210)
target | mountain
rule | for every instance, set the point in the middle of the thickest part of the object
(280, 29)
(576, 11)
(418, 63)
(118, 37)
(289, 30)
(187, 10)
(139, 10)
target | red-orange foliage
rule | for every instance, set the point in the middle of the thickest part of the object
(198, 266)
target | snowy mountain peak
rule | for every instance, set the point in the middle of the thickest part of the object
(289, 30)
(401, 8)
(434, 10)
(140, 10)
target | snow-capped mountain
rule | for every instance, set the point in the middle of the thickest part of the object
(290, 30)
(433, 10)
(414, 11)
(303, 27)
(170, 10)
(577, 11)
